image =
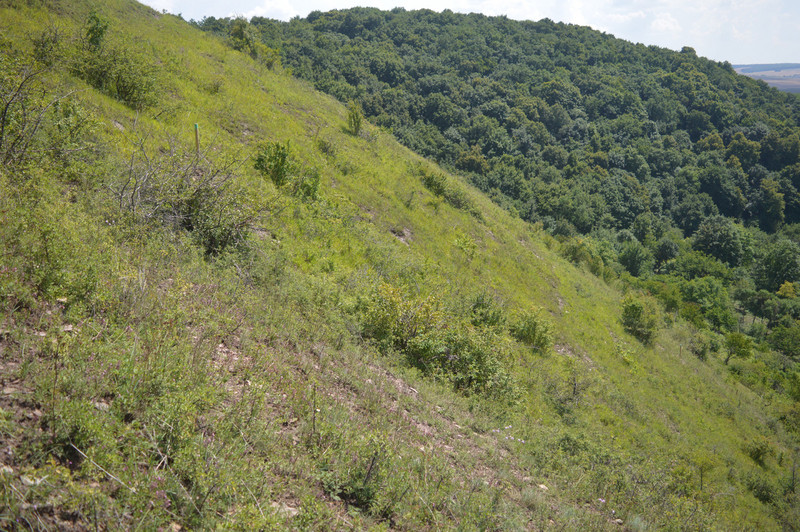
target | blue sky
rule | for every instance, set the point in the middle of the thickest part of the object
(739, 31)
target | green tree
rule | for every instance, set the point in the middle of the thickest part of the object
(737, 345)
(96, 29)
(636, 258)
(771, 205)
(747, 151)
(720, 238)
(781, 263)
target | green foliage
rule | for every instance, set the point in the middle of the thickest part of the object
(49, 46)
(533, 328)
(758, 449)
(95, 30)
(779, 264)
(306, 186)
(58, 255)
(121, 71)
(486, 311)
(639, 317)
(436, 343)
(466, 244)
(786, 339)
(635, 258)
(705, 343)
(182, 191)
(642, 111)
(737, 345)
(712, 300)
(209, 384)
(595, 255)
(453, 193)
(273, 160)
(719, 237)
(355, 118)
(762, 488)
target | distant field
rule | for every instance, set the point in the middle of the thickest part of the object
(783, 76)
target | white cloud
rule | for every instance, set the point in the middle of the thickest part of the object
(665, 22)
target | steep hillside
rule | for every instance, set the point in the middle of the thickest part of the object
(297, 322)
(661, 164)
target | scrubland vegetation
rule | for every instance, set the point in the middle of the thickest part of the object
(302, 324)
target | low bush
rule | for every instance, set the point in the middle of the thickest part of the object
(442, 186)
(355, 118)
(639, 317)
(486, 311)
(533, 328)
(438, 344)
(182, 191)
(123, 72)
(273, 161)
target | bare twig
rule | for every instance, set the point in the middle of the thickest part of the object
(98, 466)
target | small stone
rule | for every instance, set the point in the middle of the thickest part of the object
(67, 328)
(284, 509)
(543, 487)
(102, 406)
(6, 470)
(618, 521)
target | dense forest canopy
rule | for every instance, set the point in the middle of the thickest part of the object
(559, 122)
(660, 164)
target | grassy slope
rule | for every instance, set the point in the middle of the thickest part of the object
(635, 434)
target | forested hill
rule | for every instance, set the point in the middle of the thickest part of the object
(562, 123)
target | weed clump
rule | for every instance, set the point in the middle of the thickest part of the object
(437, 343)
(454, 195)
(533, 328)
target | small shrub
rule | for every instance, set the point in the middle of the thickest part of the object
(199, 196)
(437, 344)
(442, 186)
(273, 161)
(703, 344)
(306, 186)
(325, 147)
(485, 311)
(393, 319)
(123, 72)
(466, 356)
(48, 46)
(639, 317)
(355, 118)
(761, 487)
(466, 244)
(533, 328)
(758, 450)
